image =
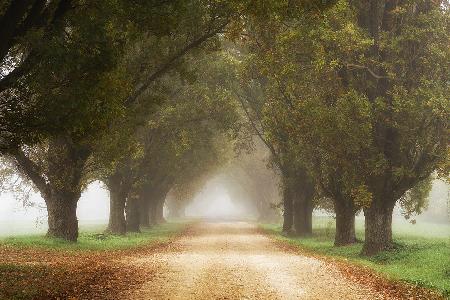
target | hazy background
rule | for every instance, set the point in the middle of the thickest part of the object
(215, 202)
(93, 208)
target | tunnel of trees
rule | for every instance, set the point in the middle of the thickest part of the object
(299, 105)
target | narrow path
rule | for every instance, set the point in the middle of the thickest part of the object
(234, 261)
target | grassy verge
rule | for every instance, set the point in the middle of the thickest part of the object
(421, 256)
(92, 238)
(40, 268)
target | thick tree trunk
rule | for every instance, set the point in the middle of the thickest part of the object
(345, 223)
(119, 185)
(62, 217)
(303, 209)
(132, 214)
(61, 185)
(144, 211)
(117, 199)
(378, 228)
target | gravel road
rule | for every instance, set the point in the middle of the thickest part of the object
(233, 260)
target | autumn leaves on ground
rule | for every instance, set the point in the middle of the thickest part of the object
(201, 260)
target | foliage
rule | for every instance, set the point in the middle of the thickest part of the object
(415, 201)
(354, 94)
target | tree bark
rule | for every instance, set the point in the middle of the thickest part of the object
(378, 228)
(176, 209)
(62, 216)
(288, 216)
(132, 214)
(119, 185)
(345, 222)
(117, 223)
(144, 211)
(303, 209)
(61, 185)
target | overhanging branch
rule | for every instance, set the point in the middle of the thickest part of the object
(355, 66)
(171, 62)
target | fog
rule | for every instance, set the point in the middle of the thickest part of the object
(214, 201)
(15, 218)
(438, 210)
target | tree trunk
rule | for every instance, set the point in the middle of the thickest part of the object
(62, 217)
(303, 209)
(159, 213)
(117, 199)
(378, 228)
(152, 212)
(119, 184)
(288, 216)
(132, 214)
(345, 222)
(144, 211)
(66, 161)
(61, 186)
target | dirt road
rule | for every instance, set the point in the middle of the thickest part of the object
(234, 261)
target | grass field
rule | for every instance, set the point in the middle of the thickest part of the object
(92, 238)
(422, 254)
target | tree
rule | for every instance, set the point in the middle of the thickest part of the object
(88, 91)
(405, 83)
(363, 97)
(48, 66)
(176, 139)
(415, 200)
(273, 127)
(57, 37)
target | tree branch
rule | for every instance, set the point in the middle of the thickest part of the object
(31, 170)
(260, 134)
(376, 76)
(9, 23)
(170, 63)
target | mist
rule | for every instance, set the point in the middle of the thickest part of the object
(17, 217)
(214, 201)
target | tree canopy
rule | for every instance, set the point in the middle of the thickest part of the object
(298, 104)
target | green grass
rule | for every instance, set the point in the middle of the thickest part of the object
(421, 255)
(92, 238)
